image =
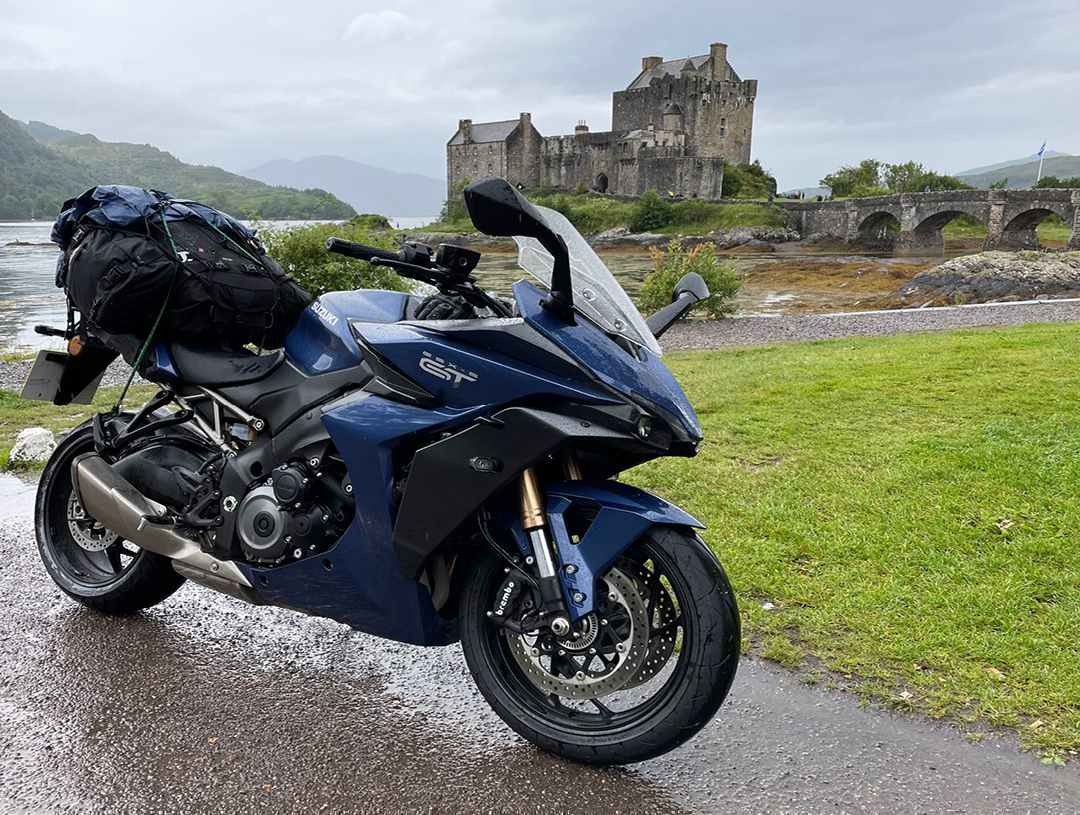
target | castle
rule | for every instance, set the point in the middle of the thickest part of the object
(671, 130)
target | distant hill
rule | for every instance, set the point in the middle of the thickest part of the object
(367, 188)
(989, 168)
(1024, 175)
(34, 180)
(42, 166)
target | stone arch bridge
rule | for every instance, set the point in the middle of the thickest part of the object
(1010, 217)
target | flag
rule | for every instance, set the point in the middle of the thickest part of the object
(1041, 150)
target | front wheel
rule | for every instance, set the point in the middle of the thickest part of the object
(632, 680)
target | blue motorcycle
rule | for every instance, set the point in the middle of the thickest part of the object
(429, 474)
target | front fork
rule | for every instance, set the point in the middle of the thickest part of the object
(533, 522)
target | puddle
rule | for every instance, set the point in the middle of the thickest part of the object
(17, 496)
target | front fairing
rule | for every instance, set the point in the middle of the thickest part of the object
(641, 376)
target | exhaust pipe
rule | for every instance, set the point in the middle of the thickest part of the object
(111, 499)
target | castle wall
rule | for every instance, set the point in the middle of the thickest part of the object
(718, 116)
(470, 162)
(523, 155)
(688, 176)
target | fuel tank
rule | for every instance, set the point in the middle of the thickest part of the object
(321, 341)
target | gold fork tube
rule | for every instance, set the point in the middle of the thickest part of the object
(571, 467)
(532, 504)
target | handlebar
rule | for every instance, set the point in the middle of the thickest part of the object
(362, 252)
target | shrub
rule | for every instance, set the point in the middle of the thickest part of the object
(650, 213)
(301, 251)
(670, 266)
(454, 209)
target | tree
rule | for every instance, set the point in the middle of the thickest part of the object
(1052, 182)
(845, 181)
(906, 177)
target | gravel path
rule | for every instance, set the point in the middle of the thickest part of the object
(742, 331)
(13, 375)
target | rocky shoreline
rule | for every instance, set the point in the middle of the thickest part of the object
(993, 277)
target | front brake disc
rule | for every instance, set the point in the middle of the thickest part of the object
(600, 669)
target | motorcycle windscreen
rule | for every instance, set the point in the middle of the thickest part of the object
(597, 294)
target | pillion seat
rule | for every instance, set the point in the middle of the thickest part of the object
(211, 367)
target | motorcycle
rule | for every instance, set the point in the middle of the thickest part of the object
(429, 481)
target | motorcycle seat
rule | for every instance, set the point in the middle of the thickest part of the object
(214, 368)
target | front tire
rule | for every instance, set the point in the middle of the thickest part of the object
(87, 561)
(691, 659)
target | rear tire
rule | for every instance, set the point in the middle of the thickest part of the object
(119, 577)
(704, 661)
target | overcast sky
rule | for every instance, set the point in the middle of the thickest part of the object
(951, 84)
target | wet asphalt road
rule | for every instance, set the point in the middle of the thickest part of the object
(204, 704)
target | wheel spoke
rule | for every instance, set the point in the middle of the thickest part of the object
(667, 628)
(113, 553)
(605, 711)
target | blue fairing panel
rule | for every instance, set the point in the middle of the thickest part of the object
(159, 365)
(461, 374)
(644, 376)
(359, 581)
(624, 514)
(322, 342)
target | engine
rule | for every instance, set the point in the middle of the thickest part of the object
(294, 513)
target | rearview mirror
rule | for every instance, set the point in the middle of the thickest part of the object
(496, 208)
(692, 284)
(688, 291)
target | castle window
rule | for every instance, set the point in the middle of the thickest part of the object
(723, 125)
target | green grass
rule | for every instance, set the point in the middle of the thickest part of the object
(1052, 229)
(910, 506)
(17, 414)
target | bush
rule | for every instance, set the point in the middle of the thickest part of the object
(301, 251)
(650, 213)
(670, 266)
(454, 209)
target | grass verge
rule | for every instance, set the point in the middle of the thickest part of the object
(17, 414)
(908, 507)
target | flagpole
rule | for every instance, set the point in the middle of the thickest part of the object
(1041, 151)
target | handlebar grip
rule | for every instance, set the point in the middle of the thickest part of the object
(359, 250)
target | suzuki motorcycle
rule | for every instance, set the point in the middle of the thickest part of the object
(427, 481)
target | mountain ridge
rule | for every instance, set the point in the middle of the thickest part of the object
(1001, 165)
(41, 166)
(1020, 176)
(366, 187)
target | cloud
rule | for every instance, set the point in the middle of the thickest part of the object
(385, 81)
(378, 25)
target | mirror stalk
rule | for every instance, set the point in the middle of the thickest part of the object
(561, 299)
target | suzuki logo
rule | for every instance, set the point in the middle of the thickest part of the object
(446, 371)
(324, 313)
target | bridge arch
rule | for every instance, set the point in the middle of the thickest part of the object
(923, 224)
(877, 228)
(1020, 231)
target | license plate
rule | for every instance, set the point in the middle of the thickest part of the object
(43, 383)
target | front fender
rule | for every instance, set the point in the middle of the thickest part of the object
(624, 514)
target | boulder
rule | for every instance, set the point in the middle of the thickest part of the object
(33, 445)
(994, 277)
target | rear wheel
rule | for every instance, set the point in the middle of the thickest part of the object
(90, 563)
(634, 679)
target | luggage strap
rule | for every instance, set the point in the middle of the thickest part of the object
(157, 320)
